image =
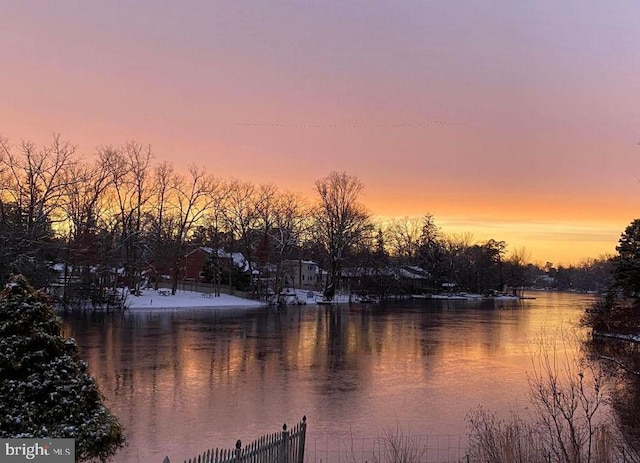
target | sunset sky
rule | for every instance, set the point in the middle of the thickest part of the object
(516, 120)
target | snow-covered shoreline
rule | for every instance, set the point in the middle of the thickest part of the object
(618, 336)
(152, 299)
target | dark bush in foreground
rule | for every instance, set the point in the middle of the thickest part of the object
(45, 389)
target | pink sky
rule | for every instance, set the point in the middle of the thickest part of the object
(542, 100)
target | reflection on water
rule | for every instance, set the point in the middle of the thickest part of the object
(183, 381)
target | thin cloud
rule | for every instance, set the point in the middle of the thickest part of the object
(426, 124)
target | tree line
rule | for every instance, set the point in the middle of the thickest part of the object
(122, 209)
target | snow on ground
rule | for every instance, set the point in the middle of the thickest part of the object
(163, 299)
(301, 296)
(621, 337)
(152, 299)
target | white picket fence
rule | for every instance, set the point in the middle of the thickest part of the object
(280, 447)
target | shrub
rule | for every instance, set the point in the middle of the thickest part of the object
(45, 389)
(568, 423)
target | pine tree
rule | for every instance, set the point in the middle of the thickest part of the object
(45, 389)
(626, 265)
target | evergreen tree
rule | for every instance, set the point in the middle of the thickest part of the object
(626, 266)
(45, 389)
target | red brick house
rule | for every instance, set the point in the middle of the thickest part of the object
(192, 268)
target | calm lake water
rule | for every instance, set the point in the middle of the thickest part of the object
(182, 381)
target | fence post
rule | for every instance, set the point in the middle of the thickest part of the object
(284, 445)
(238, 451)
(302, 437)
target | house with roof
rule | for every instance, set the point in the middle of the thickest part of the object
(389, 279)
(194, 262)
(302, 274)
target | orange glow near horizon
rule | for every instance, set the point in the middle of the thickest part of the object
(562, 243)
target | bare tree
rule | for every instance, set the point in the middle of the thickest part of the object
(266, 201)
(242, 217)
(290, 221)
(340, 221)
(190, 201)
(130, 170)
(568, 394)
(516, 264)
(403, 237)
(163, 175)
(83, 209)
(83, 196)
(213, 228)
(33, 187)
(36, 181)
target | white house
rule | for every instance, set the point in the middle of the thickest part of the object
(303, 274)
